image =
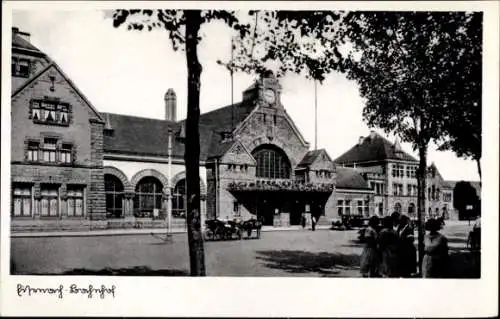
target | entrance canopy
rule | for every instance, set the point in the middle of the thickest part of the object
(280, 186)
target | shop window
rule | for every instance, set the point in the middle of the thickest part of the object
(75, 201)
(21, 200)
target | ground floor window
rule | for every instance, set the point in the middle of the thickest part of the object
(75, 201)
(363, 206)
(148, 196)
(113, 189)
(380, 209)
(21, 200)
(344, 207)
(49, 202)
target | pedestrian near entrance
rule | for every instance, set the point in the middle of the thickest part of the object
(435, 262)
(370, 258)
(303, 220)
(388, 245)
(407, 254)
(313, 222)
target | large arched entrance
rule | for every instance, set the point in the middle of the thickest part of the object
(114, 191)
(148, 197)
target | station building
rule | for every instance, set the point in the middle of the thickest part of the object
(75, 168)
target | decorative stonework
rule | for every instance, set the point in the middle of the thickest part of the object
(148, 172)
(110, 170)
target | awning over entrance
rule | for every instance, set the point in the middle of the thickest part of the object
(280, 186)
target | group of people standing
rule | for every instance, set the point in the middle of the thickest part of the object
(390, 252)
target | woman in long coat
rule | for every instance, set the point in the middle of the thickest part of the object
(388, 245)
(435, 262)
(370, 259)
(407, 254)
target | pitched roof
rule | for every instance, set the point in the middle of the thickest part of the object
(376, 148)
(66, 78)
(19, 42)
(131, 132)
(309, 158)
(350, 178)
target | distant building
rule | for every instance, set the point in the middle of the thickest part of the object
(391, 174)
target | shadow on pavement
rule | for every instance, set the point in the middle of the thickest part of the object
(294, 261)
(133, 271)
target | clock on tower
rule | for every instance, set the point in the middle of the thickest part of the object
(269, 96)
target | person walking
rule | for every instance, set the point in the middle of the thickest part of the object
(370, 258)
(435, 262)
(407, 254)
(388, 245)
(313, 221)
(303, 220)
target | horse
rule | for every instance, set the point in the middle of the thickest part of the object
(249, 225)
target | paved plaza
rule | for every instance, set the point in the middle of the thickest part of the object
(323, 253)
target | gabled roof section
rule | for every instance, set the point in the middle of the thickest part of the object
(20, 43)
(66, 78)
(350, 178)
(375, 148)
(312, 156)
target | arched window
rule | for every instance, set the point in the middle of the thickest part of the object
(397, 208)
(411, 210)
(178, 202)
(148, 193)
(272, 162)
(113, 188)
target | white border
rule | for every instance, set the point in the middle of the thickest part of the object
(274, 296)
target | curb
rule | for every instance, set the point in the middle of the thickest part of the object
(95, 233)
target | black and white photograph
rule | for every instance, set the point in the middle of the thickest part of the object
(186, 140)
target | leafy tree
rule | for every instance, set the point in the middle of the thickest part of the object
(404, 63)
(463, 129)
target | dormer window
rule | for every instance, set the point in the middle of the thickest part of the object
(20, 67)
(50, 112)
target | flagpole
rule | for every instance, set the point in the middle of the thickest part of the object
(170, 186)
(315, 114)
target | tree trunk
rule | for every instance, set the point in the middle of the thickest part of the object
(192, 147)
(422, 186)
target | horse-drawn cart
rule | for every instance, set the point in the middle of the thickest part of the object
(217, 229)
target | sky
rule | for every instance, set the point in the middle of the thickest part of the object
(126, 72)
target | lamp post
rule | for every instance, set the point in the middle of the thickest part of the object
(170, 188)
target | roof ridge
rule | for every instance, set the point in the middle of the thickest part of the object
(141, 117)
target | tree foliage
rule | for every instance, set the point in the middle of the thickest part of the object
(464, 194)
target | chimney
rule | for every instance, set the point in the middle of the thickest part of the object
(26, 36)
(361, 139)
(170, 105)
(397, 146)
